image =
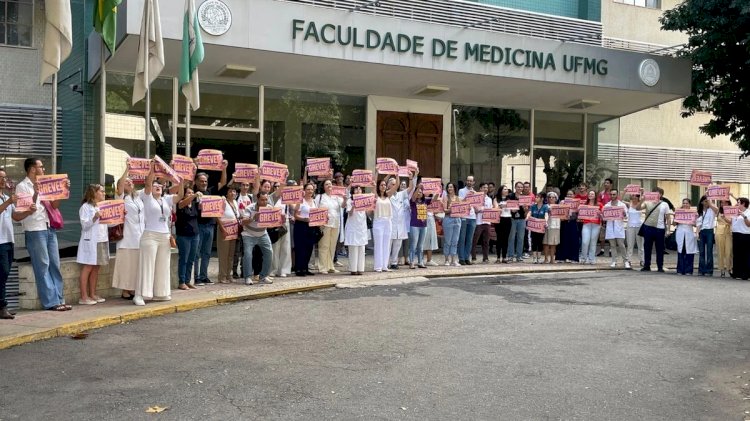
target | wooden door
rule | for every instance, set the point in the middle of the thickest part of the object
(403, 136)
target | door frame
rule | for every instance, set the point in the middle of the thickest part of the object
(381, 103)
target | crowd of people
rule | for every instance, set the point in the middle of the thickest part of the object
(405, 228)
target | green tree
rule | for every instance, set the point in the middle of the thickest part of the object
(719, 47)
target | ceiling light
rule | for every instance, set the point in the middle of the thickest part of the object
(235, 71)
(432, 90)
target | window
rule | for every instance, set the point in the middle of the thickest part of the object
(16, 22)
(651, 4)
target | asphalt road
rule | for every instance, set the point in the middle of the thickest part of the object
(595, 346)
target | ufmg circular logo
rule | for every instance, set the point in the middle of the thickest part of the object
(649, 72)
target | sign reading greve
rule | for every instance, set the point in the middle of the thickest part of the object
(231, 227)
(717, 193)
(432, 186)
(412, 165)
(210, 159)
(559, 211)
(270, 218)
(700, 178)
(111, 212)
(387, 166)
(588, 212)
(318, 217)
(460, 210)
(362, 178)
(319, 167)
(526, 200)
(512, 205)
(403, 171)
(53, 187)
(536, 225)
(245, 173)
(273, 172)
(183, 166)
(613, 213)
(24, 201)
(138, 167)
(685, 216)
(364, 202)
(339, 191)
(292, 195)
(491, 215)
(435, 206)
(163, 170)
(572, 203)
(474, 198)
(731, 211)
(212, 206)
(633, 189)
(651, 196)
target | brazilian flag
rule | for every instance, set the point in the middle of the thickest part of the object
(105, 21)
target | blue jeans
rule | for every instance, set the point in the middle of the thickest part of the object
(466, 238)
(706, 249)
(205, 243)
(451, 230)
(6, 262)
(264, 243)
(45, 261)
(188, 248)
(589, 240)
(416, 239)
(516, 238)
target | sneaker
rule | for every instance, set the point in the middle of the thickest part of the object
(333, 271)
(98, 299)
(337, 263)
(518, 260)
(393, 267)
(88, 302)
(613, 265)
(248, 281)
(601, 253)
(199, 283)
(456, 264)
(485, 261)
(208, 281)
(525, 256)
(627, 265)
(468, 262)
(422, 266)
(235, 275)
(266, 280)
(138, 300)
(447, 262)
(498, 261)
(164, 298)
(256, 278)
(432, 263)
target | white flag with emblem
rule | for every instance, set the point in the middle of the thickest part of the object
(150, 49)
(58, 36)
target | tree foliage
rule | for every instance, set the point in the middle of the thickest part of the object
(719, 47)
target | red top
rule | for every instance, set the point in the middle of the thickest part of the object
(592, 221)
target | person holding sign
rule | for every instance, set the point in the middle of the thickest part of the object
(615, 212)
(255, 234)
(502, 229)
(125, 273)
(41, 238)
(355, 234)
(724, 240)
(570, 236)
(382, 223)
(451, 227)
(741, 241)
(482, 230)
(7, 207)
(707, 216)
(186, 230)
(225, 247)
(539, 211)
(206, 226)
(327, 244)
(400, 218)
(687, 244)
(590, 232)
(154, 279)
(517, 234)
(304, 238)
(468, 225)
(631, 234)
(653, 230)
(418, 225)
(93, 247)
(552, 234)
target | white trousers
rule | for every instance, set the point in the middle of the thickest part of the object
(155, 263)
(381, 238)
(631, 237)
(395, 250)
(282, 255)
(356, 258)
(617, 248)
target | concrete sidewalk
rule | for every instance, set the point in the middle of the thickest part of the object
(30, 326)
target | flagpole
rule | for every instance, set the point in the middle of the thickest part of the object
(148, 84)
(187, 128)
(103, 118)
(54, 123)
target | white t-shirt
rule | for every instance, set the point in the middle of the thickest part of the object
(6, 222)
(462, 195)
(708, 222)
(615, 229)
(38, 221)
(634, 217)
(663, 209)
(333, 203)
(487, 205)
(157, 213)
(738, 223)
(134, 222)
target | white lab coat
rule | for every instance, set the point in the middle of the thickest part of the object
(401, 210)
(91, 234)
(684, 234)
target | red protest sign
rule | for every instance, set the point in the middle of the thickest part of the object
(273, 172)
(432, 186)
(588, 212)
(633, 189)
(559, 211)
(364, 202)
(573, 204)
(731, 211)
(24, 201)
(536, 225)
(474, 198)
(435, 206)
(270, 218)
(292, 195)
(717, 193)
(651, 196)
(210, 159)
(318, 217)
(685, 216)
(339, 191)
(460, 210)
(245, 173)
(512, 205)
(162, 170)
(319, 167)
(183, 166)
(53, 187)
(362, 178)
(403, 171)
(212, 206)
(231, 227)
(700, 178)
(138, 167)
(491, 215)
(526, 200)
(386, 166)
(111, 212)
(412, 165)
(613, 213)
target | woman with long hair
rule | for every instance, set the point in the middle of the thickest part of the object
(93, 247)
(724, 240)
(418, 225)
(741, 241)
(355, 235)
(327, 244)
(707, 215)
(282, 248)
(304, 240)
(552, 234)
(187, 238)
(381, 224)
(225, 247)
(502, 229)
(126, 270)
(570, 237)
(687, 244)
(430, 236)
(590, 231)
(631, 233)
(482, 231)
(539, 211)
(451, 226)
(154, 258)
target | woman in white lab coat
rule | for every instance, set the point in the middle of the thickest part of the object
(355, 235)
(93, 247)
(687, 244)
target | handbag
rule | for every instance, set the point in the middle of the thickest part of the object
(116, 233)
(276, 233)
(54, 215)
(642, 230)
(316, 233)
